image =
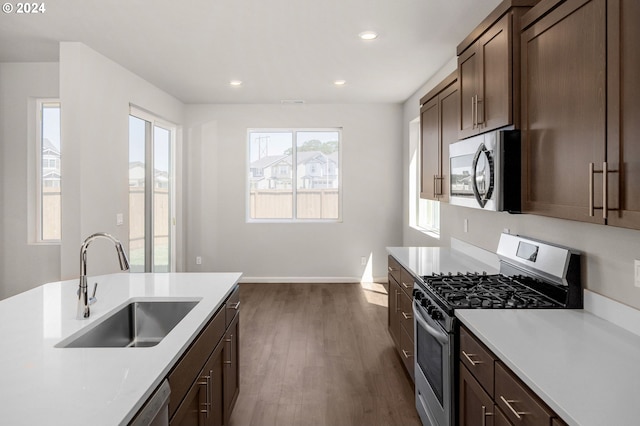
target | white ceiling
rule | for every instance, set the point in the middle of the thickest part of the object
(280, 49)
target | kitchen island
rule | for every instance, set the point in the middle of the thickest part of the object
(45, 384)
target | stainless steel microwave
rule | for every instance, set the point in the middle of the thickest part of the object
(485, 171)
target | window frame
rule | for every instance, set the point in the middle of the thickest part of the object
(294, 188)
(41, 103)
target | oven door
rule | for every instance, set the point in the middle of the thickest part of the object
(433, 369)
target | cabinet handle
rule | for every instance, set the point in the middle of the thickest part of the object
(390, 269)
(435, 191)
(605, 189)
(508, 402)
(478, 122)
(468, 357)
(229, 340)
(206, 382)
(591, 172)
(473, 114)
(484, 415)
(406, 354)
(407, 316)
(235, 306)
(397, 292)
(405, 285)
(439, 190)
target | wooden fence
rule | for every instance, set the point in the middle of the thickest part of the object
(278, 204)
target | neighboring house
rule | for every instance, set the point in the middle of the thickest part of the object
(137, 176)
(50, 165)
(315, 170)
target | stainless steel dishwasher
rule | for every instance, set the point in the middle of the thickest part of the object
(155, 411)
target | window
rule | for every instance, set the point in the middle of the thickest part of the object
(424, 215)
(151, 206)
(294, 175)
(48, 189)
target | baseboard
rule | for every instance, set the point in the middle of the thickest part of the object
(308, 280)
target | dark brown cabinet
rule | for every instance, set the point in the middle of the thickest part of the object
(564, 110)
(488, 71)
(623, 112)
(438, 125)
(401, 313)
(205, 381)
(231, 372)
(490, 394)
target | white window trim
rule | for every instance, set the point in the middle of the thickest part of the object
(415, 165)
(292, 130)
(36, 236)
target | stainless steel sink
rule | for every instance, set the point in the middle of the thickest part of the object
(135, 325)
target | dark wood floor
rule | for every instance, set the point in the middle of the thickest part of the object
(319, 354)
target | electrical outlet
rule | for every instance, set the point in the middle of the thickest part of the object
(363, 261)
(198, 260)
(636, 267)
(506, 231)
(466, 225)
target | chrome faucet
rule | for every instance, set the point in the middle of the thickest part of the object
(83, 299)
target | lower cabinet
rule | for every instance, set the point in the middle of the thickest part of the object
(205, 381)
(401, 313)
(491, 395)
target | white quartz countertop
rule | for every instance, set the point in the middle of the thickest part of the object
(44, 385)
(430, 260)
(585, 368)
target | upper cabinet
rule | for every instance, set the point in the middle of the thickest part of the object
(438, 129)
(488, 71)
(580, 109)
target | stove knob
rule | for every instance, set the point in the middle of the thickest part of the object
(418, 295)
(430, 309)
(436, 315)
(425, 302)
(416, 291)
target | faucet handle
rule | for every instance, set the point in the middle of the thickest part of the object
(93, 299)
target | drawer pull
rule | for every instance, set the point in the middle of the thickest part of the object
(405, 285)
(484, 415)
(391, 269)
(508, 402)
(235, 306)
(468, 357)
(407, 316)
(406, 354)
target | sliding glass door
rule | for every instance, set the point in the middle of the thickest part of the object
(150, 194)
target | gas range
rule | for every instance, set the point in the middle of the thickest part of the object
(533, 275)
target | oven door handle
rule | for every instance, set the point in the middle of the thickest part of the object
(441, 337)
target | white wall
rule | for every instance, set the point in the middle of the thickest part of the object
(215, 194)
(608, 252)
(95, 93)
(22, 265)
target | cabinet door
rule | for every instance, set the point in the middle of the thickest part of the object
(495, 89)
(476, 406)
(192, 410)
(231, 372)
(623, 126)
(430, 150)
(394, 310)
(468, 70)
(563, 110)
(449, 103)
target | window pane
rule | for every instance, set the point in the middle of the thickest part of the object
(50, 213)
(137, 138)
(270, 175)
(317, 175)
(161, 202)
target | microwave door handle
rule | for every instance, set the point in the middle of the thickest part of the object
(474, 173)
(441, 337)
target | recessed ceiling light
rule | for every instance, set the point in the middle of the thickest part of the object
(235, 83)
(339, 82)
(368, 35)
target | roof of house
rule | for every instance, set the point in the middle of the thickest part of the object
(268, 161)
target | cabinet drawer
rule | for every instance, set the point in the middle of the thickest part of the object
(406, 313)
(232, 306)
(517, 402)
(187, 369)
(406, 352)
(478, 360)
(406, 282)
(394, 269)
